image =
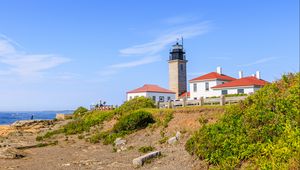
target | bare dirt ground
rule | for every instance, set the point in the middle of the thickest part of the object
(72, 153)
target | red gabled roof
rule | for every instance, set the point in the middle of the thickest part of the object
(151, 88)
(246, 81)
(212, 76)
(185, 94)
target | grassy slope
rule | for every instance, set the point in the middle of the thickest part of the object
(261, 132)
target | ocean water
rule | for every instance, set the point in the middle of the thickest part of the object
(10, 117)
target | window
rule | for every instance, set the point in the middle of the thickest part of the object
(240, 91)
(223, 82)
(154, 98)
(181, 67)
(161, 98)
(195, 98)
(130, 97)
(206, 86)
(169, 98)
(195, 87)
(224, 92)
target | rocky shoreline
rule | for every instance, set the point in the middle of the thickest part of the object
(20, 135)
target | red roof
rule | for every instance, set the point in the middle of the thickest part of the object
(185, 94)
(246, 81)
(213, 76)
(151, 88)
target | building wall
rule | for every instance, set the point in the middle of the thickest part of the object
(177, 76)
(133, 95)
(247, 90)
(202, 92)
(151, 94)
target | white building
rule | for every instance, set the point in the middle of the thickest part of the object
(202, 86)
(217, 84)
(243, 85)
(156, 93)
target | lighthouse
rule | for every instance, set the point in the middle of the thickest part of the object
(177, 69)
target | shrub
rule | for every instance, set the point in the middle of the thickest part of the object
(80, 111)
(135, 104)
(87, 121)
(146, 149)
(133, 121)
(81, 124)
(263, 130)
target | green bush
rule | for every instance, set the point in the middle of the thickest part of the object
(81, 124)
(135, 104)
(146, 149)
(80, 111)
(133, 121)
(87, 121)
(263, 131)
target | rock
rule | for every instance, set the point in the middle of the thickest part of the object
(178, 134)
(137, 162)
(122, 148)
(119, 142)
(66, 164)
(11, 153)
(172, 140)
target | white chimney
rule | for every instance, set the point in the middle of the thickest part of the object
(240, 74)
(219, 70)
(258, 74)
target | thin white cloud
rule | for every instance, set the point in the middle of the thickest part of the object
(260, 61)
(158, 44)
(115, 68)
(143, 61)
(221, 58)
(149, 52)
(24, 64)
(179, 19)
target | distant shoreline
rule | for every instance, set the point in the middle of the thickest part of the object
(8, 118)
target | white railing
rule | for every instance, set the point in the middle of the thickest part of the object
(222, 100)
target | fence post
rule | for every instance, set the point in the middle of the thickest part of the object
(169, 104)
(201, 102)
(157, 105)
(184, 102)
(222, 100)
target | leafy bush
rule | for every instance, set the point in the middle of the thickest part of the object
(135, 104)
(133, 121)
(263, 131)
(80, 111)
(87, 121)
(81, 124)
(146, 149)
(126, 125)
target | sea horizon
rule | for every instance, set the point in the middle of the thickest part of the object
(9, 117)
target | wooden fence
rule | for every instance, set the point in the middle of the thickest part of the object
(201, 102)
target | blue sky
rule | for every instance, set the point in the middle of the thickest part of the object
(60, 54)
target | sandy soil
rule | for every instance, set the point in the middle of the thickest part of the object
(72, 153)
(5, 130)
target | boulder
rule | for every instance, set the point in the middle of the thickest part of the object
(11, 153)
(172, 140)
(178, 134)
(119, 142)
(137, 162)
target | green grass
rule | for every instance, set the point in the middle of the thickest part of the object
(133, 121)
(263, 132)
(126, 125)
(146, 149)
(81, 124)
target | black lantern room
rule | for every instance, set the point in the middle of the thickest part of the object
(177, 52)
